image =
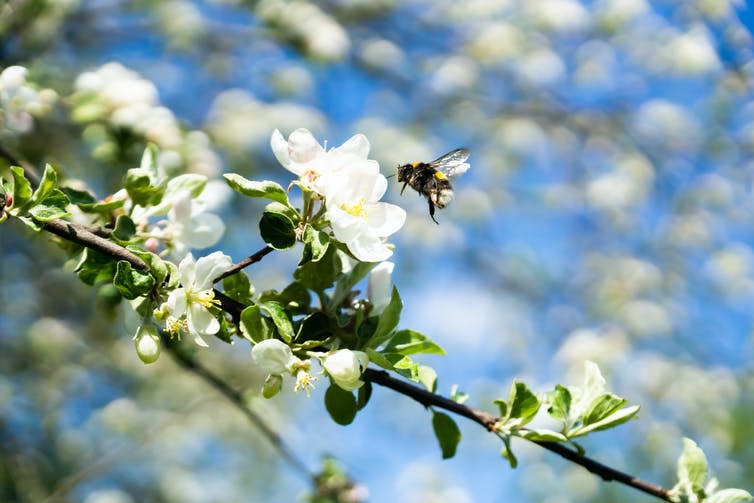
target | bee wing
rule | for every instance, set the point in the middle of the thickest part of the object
(453, 163)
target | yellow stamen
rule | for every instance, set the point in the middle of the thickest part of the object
(174, 326)
(357, 209)
(304, 381)
(206, 298)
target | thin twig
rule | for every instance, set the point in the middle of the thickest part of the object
(251, 259)
(79, 234)
(487, 420)
(237, 400)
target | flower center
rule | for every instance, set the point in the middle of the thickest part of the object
(174, 326)
(304, 381)
(309, 176)
(357, 210)
(206, 298)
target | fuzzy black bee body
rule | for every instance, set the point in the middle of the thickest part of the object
(431, 179)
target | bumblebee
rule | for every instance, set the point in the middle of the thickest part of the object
(431, 179)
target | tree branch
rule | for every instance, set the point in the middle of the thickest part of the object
(251, 259)
(86, 238)
(487, 420)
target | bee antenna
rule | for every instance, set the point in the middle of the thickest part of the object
(390, 176)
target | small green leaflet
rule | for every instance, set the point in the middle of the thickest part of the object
(447, 432)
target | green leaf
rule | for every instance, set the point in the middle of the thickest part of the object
(348, 280)
(560, 403)
(523, 403)
(401, 364)
(89, 204)
(610, 421)
(601, 407)
(130, 282)
(315, 245)
(254, 326)
(46, 185)
(94, 267)
(21, 189)
(294, 298)
(502, 405)
(150, 161)
(457, 395)
(542, 435)
(729, 496)
(238, 287)
(507, 452)
(315, 327)
(409, 342)
(379, 359)
(124, 228)
(363, 395)
(280, 318)
(319, 276)
(192, 183)
(427, 377)
(157, 267)
(51, 207)
(265, 189)
(692, 465)
(447, 432)
(138, 184)
(277, 229)
(388, 320)
(341, 405)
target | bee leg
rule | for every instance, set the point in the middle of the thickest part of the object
(404, 187)
(432, 211)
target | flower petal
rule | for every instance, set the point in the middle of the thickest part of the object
(177, 302)
(210, 267)
(369, 248)
(345, 226)
(385, 219)
(200, 321)
(272, 355)
(187, 271)
(280, 149)
(303, 147)
(205, 229)
(380, 286)
(357, 145)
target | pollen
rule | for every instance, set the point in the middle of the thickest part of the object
(206, 298)
(357, 210)
(309, 176)
(174, 326)
(439, 176)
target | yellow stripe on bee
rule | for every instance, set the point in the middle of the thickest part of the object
(415, 164)
(439, 176)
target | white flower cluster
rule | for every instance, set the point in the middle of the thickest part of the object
(188, 307)
(121, 97)
(351, 186)
(20, 102)
(344, 366)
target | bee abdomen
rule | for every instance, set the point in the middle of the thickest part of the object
(442, 197)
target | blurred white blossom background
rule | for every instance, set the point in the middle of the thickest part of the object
(607, 216)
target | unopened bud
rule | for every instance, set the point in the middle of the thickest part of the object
(147, 343)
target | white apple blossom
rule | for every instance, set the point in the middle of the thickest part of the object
(273, 356)
(316, 167)
(187, 307)
(380, 286)
(189, 227)
(345, 367)
(276, 358)
(357, 217)
(19, 101)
